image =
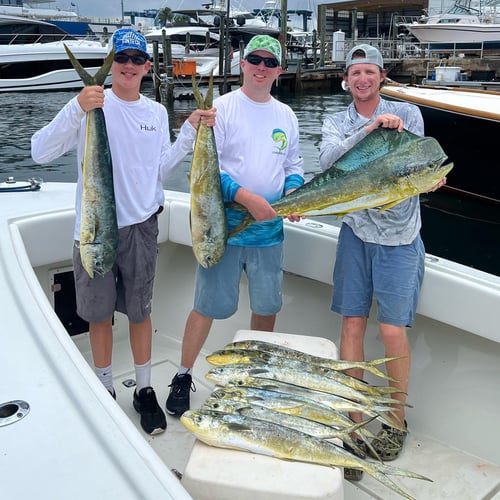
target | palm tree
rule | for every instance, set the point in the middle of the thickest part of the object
(165, 15)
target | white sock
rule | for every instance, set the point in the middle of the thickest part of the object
(105, 375)
(142, 376)
(183, 371)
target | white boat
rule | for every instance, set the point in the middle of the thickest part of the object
(463, 121)
(34, 58)
(186, 40)
(69, 19)
(63, 436)
(460, 25)
(193, 44)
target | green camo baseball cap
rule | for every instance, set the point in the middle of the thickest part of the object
(372, 56)
(264, 42)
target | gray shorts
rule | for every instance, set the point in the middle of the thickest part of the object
(218, 287)
(128, 287)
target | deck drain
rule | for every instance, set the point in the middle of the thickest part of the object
(13, 411)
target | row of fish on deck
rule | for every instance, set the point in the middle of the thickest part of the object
(276, 401)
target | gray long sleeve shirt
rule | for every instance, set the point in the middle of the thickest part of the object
(341, 131)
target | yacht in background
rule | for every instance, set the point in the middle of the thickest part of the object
(70, 20)
(462, 24)
(33, 58)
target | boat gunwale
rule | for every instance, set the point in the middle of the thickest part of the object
(428, 101)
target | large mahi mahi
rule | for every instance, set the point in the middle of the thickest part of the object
(383, 169)
(239, 432)
(208, 215)
(98, 225)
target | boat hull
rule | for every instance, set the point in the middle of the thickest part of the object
(464, 134)
(46, 66)
(458, 33)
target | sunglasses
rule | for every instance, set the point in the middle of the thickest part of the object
(269, 62)
(136, 59)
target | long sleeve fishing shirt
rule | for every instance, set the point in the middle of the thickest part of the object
(258, 148)
(141, 151)
(343, 130)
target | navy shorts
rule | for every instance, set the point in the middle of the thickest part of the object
(218, 287)
(128, 287)
(393, 274)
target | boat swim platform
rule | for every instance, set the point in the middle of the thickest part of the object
(227, 474)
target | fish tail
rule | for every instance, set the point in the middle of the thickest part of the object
(197, 94)
(365, 436)
(100, 77)
(384, 389)
(370, 366)
(392, 470)
(375, 371)
(345, 435)
(380, 361)
(387, 420)
(372, 470)
(209, 97)
(102, 73)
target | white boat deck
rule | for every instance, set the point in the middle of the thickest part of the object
(76, 434)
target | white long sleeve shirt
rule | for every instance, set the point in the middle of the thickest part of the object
(141, 151)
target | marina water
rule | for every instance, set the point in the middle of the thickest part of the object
(455, 228)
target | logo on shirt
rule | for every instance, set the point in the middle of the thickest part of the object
(148, 128)
(280, 137)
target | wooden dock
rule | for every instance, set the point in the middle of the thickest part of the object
(328, 79)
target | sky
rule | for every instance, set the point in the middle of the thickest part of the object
(112, 8)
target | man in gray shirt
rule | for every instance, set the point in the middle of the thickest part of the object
(380, 253)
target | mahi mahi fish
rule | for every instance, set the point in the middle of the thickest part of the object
(208, 215)
(311, 427)
(290, 405)
(254, 385)
(240, 432)
(250, 356)
(319, 382)
(98, 224)
(334, 364)
(383, 169)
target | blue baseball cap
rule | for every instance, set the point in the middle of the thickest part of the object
(126, 38)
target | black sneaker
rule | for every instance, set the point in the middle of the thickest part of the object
(178, 399)
(153, 419)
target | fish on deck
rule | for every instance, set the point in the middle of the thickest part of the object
(287, 352)
(208, 214)
(383, 169)
(98, 225)
(240, 432)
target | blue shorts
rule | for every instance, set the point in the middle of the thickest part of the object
(393, 274)
(218, 287)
